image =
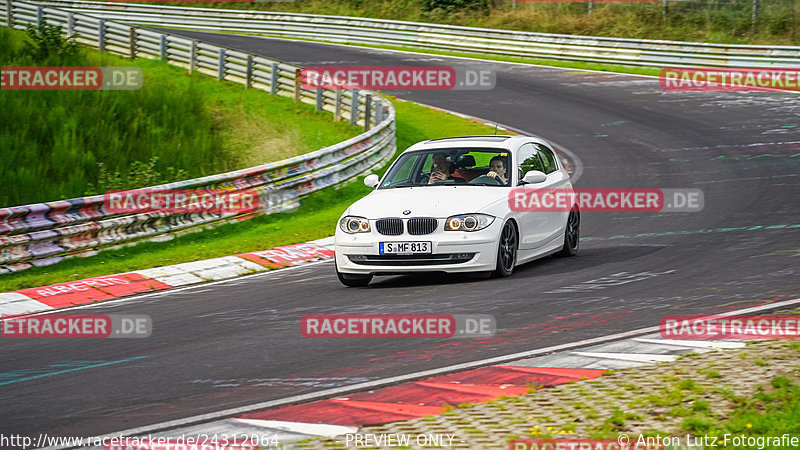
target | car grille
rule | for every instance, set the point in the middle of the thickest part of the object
(424, 225)
(389, 227)
(411, 260)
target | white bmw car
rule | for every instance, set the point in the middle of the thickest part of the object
(444, 206)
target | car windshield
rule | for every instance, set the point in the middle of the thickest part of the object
(457, 166)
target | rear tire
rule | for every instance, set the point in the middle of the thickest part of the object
(353, 280)
(572, 234)
(507, 251)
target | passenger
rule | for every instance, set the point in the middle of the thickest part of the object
(497, 169)
(441, 170)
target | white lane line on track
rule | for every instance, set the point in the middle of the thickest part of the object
(327, 393)
(635, 357)
(312, 429)
(12, 303)
(691, 343)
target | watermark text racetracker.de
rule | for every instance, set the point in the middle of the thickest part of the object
(75, 326)
(605, 200)
(395, 78)
(397, 325)
(730, 327)
(70, 78)
(182, 201)
(729, 79)
(200, 441)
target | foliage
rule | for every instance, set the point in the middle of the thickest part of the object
(47, 44)
(64, 144)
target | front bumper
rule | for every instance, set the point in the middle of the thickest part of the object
(452, 251)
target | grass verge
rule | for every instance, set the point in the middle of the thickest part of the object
(65, 144)
(315, 218)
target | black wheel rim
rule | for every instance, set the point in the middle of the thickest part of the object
(508, 246)
(573, 229)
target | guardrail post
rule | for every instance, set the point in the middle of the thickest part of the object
(248, 76)
(337, 106)
(39, 14)
(162, 46)
(70, 24)
(101, 35)
(132, 42)
(297, 84)
(367, 111)
(9, 14)
(273, 79)
(378, 111)
(320, 92)
(354, 108)
(192, 56)
(221, 65)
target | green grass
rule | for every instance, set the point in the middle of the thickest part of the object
(701, 20)
(315, 218)
(63, 144)
(617, 422)
(771, 411)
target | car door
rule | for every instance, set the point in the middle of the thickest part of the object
(537, 228)
(559, 181)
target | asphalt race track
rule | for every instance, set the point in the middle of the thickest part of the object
(236, 343)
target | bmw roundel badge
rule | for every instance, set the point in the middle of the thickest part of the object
(407, 212)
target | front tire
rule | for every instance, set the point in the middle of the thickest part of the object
(572, 234)
(353, 280)
(507, 251)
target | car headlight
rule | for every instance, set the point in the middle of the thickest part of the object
(354, 224)
(468, 222)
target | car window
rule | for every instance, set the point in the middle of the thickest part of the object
(428, 164)
(462, 159)
(529, 160)
(548, 158)
(481, 159)
(467, 166)
(402, 174)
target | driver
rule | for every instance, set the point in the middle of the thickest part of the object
(497, 169)
(441, 170)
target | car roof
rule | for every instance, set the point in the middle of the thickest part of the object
(490, 138)
(491, 141)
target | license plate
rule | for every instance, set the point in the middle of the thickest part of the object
(404, 248)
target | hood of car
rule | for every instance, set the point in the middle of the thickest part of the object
(427, 201)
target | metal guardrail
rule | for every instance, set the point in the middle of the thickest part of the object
(45, 233)
(635, 52)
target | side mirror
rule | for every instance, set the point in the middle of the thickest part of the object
(534, 176)
(371, 180)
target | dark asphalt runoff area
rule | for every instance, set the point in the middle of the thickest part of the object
(236, 343)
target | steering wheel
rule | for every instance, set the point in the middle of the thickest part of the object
(486, 179)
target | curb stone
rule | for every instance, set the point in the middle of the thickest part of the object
(642, 400)
(108, 287)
